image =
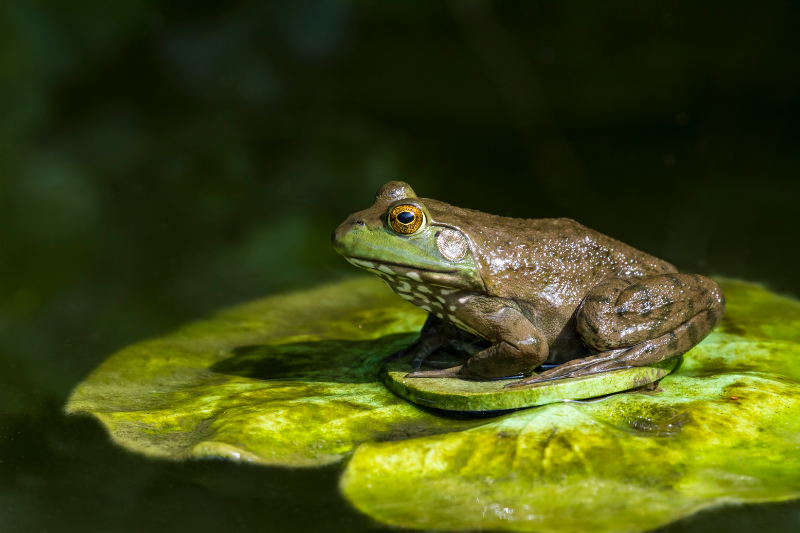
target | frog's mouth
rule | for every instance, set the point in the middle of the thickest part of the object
(442, 278)
(393, 268)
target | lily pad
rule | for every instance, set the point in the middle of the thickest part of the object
(491, 395)
(293, 380)
(723, 428)
(288, 380)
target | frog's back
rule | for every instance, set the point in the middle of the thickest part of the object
(553, 259)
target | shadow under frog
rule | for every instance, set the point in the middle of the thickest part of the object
(540, 291)
(327, 360)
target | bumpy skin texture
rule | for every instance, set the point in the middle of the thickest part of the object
(541, 291)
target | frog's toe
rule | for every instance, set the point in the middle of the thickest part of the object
(452, 372)
(419, 358)
(560, 372)
(538, 378)
(522, 383)
(463, 347)
(606, 366)
(602, 362)
(574, 369)
(436, 365)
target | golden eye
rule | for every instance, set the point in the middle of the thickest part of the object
(406, 219)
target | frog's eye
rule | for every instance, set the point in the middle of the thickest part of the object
(406, 219)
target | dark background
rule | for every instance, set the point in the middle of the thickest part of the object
(162, 159)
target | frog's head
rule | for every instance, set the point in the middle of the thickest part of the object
(398, 236)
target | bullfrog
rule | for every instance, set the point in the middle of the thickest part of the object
(514, 296)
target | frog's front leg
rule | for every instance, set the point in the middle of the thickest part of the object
(436, 333)
(639, 322)
(517, 345)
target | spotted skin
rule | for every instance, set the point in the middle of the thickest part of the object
(540, 291)
(439, 301)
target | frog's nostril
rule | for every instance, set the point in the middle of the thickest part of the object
(334, 237)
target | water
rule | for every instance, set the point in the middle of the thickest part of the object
(162, 160)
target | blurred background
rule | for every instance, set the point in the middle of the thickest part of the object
(162, 159)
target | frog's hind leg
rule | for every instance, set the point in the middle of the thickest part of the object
(639, 322)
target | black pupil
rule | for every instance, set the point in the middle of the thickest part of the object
(406, 217)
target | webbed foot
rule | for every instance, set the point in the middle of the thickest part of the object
(437, 334)
(595, 364)
(452, 372)
(460, 347)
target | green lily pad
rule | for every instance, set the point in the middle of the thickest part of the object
(288, 380)
(482, 396)
(723, 428)
(294, 380)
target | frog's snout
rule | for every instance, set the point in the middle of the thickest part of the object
(339, 234)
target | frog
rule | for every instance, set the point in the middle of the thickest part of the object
(527, 300)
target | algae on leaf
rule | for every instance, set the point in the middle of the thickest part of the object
(288, 380)
(725, 428)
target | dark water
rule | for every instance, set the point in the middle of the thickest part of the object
(159, 160)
